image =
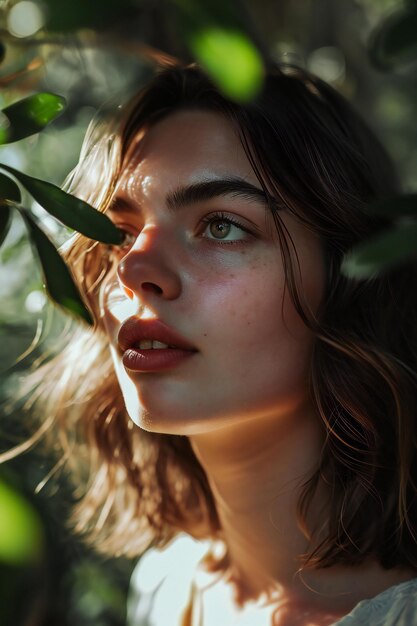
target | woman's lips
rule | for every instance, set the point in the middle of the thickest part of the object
(154, 360)
(134, 330)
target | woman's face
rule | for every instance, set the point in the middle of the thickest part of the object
(204, 259)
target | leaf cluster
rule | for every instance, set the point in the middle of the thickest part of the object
(22, 119)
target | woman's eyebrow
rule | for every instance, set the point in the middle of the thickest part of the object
(208, 189)
(186, 195)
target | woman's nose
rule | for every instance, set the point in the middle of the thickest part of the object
(149, 268)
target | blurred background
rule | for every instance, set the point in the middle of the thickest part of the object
(94, 53)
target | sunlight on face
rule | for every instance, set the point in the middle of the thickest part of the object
(210, 269)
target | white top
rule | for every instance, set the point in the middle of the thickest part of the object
(161, 585)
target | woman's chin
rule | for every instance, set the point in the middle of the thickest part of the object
(152, 416)
(161, 417)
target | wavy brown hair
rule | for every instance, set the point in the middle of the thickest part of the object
(321, 162)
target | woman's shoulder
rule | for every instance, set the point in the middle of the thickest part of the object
(160, 585)
(396, 606)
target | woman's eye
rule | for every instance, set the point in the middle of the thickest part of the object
(128, 239)
(224, 229)
(215, 227)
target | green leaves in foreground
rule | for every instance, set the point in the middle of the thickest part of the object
(231, 59)
(58, 280)
(71, 211)
(382, 252)
(215, 34)
(21, 536)
(29, 116)
(9, 192)
(19, 120)
(5, 221)
(8, 189)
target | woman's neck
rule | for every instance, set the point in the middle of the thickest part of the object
(256, 471)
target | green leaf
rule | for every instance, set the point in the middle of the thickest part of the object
(70, 210)
(394, 41)
(382, 252)
(5, 221)
(395, 207)
(8, 189)
(31, 115)
(21, 535)
(4, 126)
(58, 280)
(2, 51)
(231, 60)
(215, 33)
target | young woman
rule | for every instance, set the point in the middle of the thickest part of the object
(255, 413)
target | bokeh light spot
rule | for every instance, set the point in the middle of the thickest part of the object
(25, 19)
(328, 63)
(35, 301)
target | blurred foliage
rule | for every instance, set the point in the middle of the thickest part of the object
(20, 529)
(392, 44)
(63, 16)
(394, 41)
(93, 54)
(383, 251)
(226, 54)
(47, 576)
(217, 37)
